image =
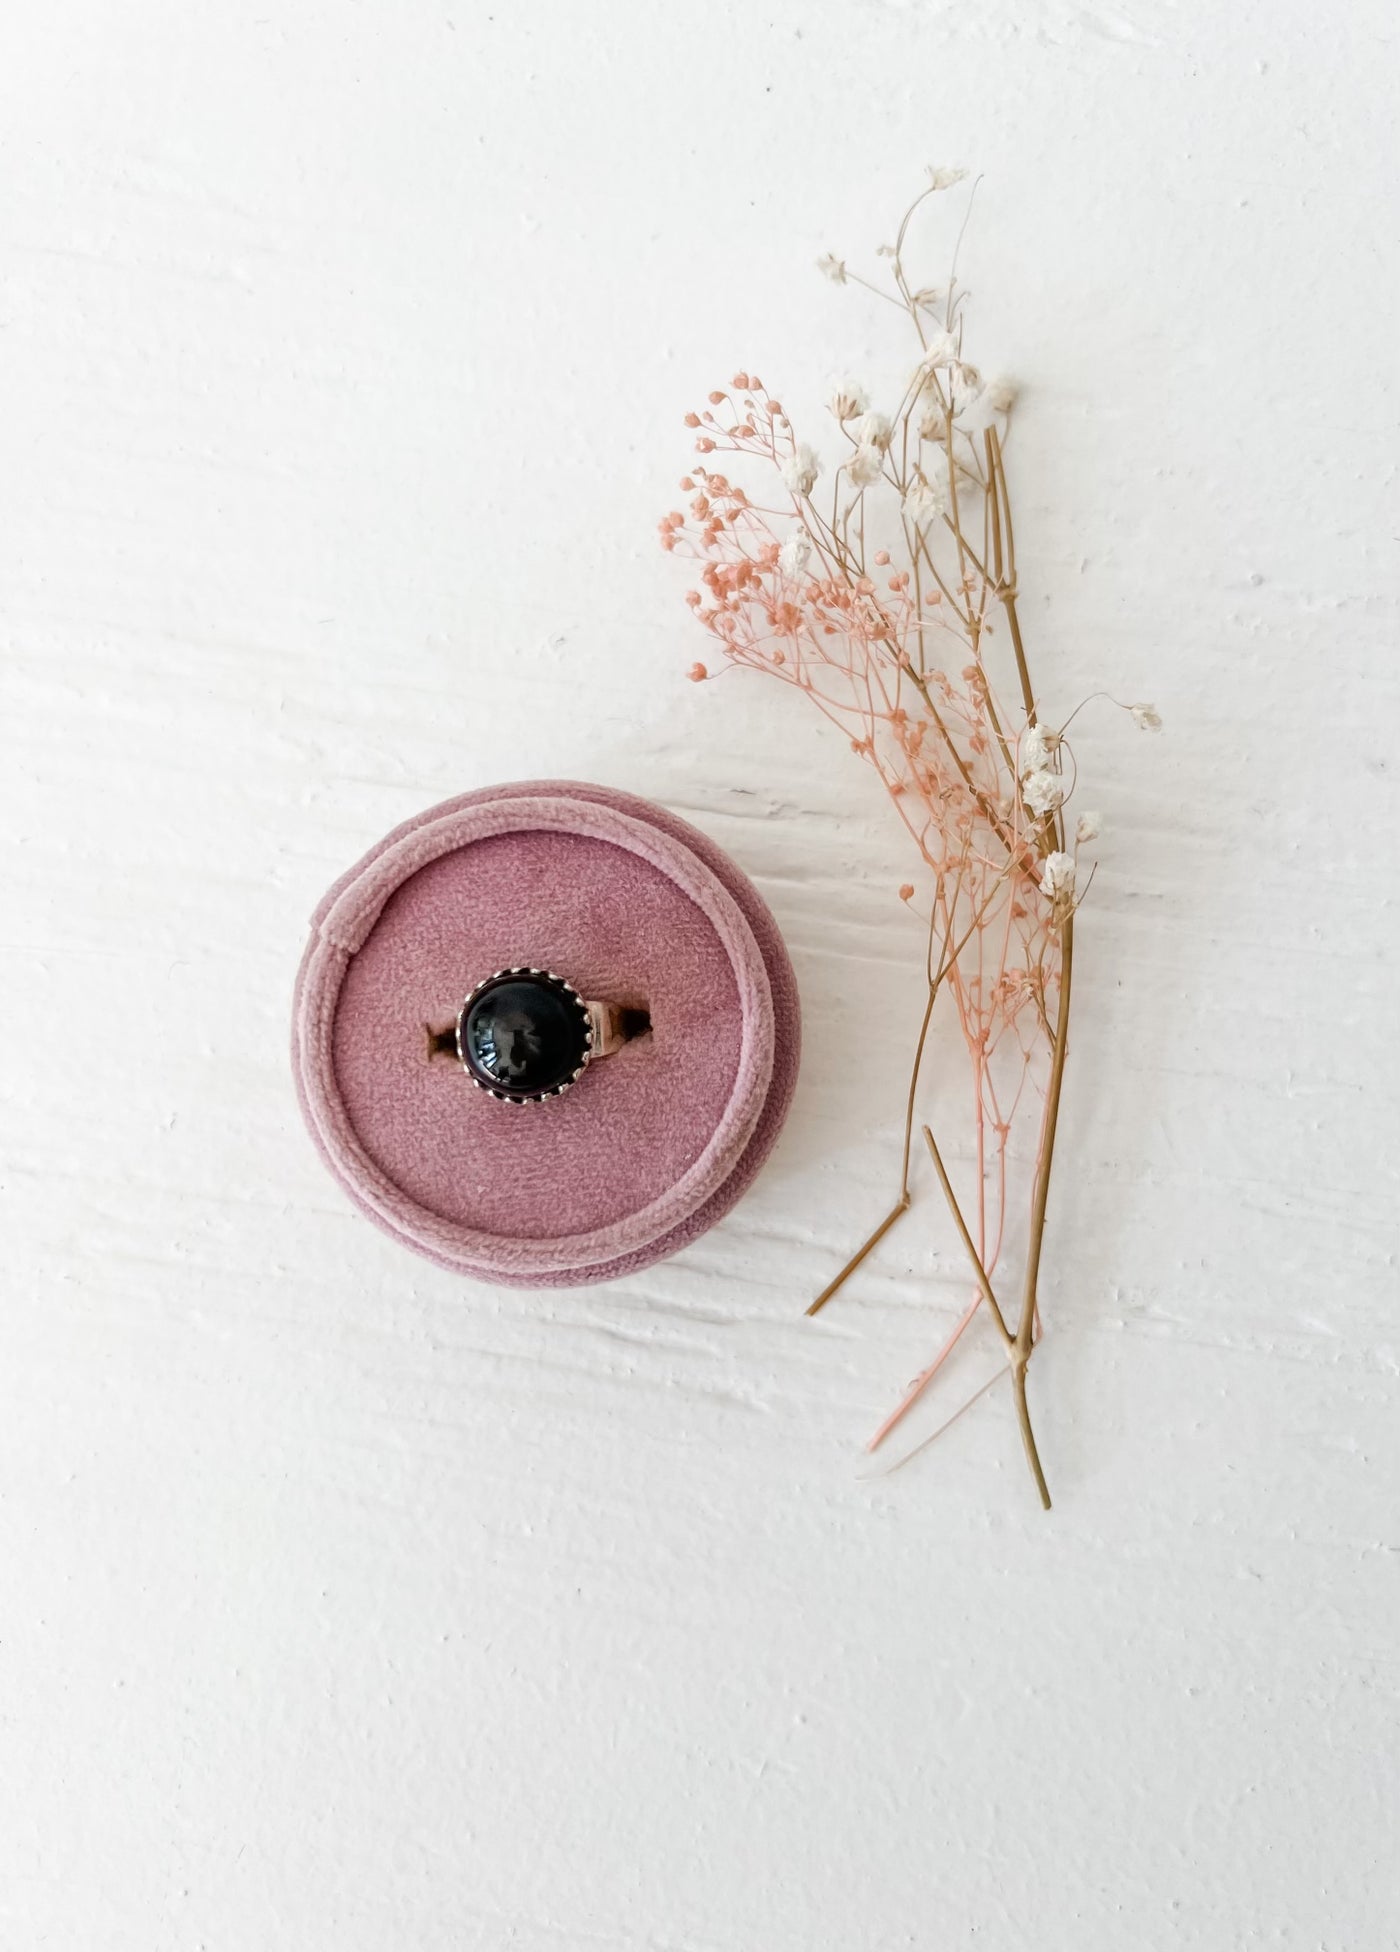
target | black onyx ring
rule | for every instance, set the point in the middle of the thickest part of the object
(526, 1035)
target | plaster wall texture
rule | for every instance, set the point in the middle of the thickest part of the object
(348, 1606)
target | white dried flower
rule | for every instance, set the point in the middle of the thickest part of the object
(1043, 791)
(865, 466)
(1000, 393)
(944, 179)
(1036, 749)
(1057, 881)
(800, 470)
(872, 430)
(1089, 826)
(846, 400)
(966, 387)
(941, 350)
(795, 553)
(924, 502)
(1146, 718)
(832, 267)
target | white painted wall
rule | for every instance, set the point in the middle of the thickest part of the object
(347, 1607)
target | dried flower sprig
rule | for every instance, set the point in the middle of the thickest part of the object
(884, 587)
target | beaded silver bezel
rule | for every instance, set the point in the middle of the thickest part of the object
(497, 1092)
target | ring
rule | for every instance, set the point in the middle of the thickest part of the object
(525, 1035)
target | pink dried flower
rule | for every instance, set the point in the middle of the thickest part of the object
(911, 667)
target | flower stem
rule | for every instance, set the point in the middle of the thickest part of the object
(1008, 1340)
(1018, 1354)
(1026, 1327)
(1023, 1417)
(900, 1206)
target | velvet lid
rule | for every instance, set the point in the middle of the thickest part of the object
(631, 905)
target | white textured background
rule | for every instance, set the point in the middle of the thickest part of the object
(347, 1607)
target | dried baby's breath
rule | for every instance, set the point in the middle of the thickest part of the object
(890, 601)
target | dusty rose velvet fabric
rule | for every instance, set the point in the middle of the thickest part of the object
(631, 904)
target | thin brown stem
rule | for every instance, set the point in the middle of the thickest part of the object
(1007, 582)
(1026, 1327)
(913, 1086)
(1016, 1355)
(1023, 1417)
(988, 1294)
(993, 506)
(901, 1206)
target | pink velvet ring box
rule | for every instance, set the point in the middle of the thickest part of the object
(655, 1142)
